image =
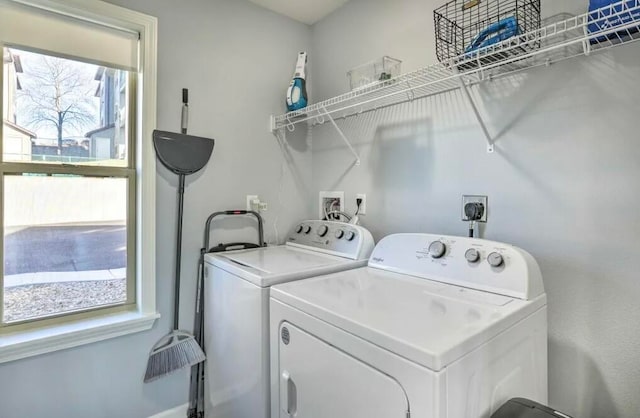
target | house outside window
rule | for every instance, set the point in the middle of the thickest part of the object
(111, 137)
(17, 139)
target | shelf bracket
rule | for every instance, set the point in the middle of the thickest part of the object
(476, 112)
(341, 134)
(410, 94)
(586, 44)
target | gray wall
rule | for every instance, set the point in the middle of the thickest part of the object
(563, 183)
(237, 60)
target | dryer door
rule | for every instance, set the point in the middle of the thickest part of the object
(317, 380)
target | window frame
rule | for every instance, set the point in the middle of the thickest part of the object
(35, 336)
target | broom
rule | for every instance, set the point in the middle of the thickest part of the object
(178, 349)
(183, 154)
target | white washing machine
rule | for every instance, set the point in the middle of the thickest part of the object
(237, 286)
(434, 326)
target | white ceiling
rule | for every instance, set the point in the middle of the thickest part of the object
(305, 11)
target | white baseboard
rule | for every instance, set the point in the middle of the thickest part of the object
(177, 412)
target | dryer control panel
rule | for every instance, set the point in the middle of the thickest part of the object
(335, 238)
(468, 262)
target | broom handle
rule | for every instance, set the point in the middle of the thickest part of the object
(184, 121)
(185, 111)
(176, 301)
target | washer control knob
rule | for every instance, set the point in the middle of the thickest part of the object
(495, 259)
(322, 231)
(339, 233)
(350, 236)
(437, 249)
(472, 255)
(307, 229)
(299, 229)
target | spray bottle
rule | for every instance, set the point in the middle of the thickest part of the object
(297, 92)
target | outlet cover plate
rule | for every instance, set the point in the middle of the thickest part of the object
(475, 199)
(250, 198)
(363, 205)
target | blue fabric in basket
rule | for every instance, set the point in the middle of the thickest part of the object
(611, 17)
(494, 33)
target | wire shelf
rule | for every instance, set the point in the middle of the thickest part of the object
(567, 38)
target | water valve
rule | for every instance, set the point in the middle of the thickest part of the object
(474, 211)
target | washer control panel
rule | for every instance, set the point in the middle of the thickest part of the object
(337, 238)
(468, 262)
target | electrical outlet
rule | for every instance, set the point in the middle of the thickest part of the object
(363, 205)
(250, 199)
(475, 199)
(255, 204)
(329, 201)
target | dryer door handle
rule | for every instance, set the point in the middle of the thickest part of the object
(290, 402)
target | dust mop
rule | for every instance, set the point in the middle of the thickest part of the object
(182, 154)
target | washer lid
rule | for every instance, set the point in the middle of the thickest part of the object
(267, 266)
(428, 322)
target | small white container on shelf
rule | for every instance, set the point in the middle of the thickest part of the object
(373, 72)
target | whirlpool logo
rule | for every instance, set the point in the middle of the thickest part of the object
(378, 259)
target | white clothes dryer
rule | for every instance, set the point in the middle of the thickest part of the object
(433, 327)
(237, 283)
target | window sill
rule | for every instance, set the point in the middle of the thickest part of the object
(24, 344)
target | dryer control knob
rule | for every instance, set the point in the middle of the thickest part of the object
(350, 236)
(495, 259)
(339, 233)
(437, 249)
(307, 229)
(472, 255)
(299, 229)
(322, 231)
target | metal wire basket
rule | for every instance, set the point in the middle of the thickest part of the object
(464, 27)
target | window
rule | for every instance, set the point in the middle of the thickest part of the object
(77, 177)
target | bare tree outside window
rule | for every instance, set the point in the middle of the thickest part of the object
(58, 94)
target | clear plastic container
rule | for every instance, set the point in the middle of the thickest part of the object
(374, 72)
